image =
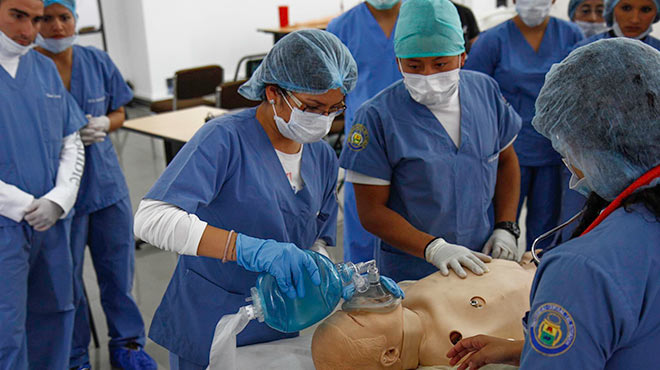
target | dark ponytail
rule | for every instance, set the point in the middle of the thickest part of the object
(650, 198)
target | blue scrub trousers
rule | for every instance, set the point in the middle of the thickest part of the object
(36, 297)
(542, 188)
(178, 363)
(359, 244)
(109, 234)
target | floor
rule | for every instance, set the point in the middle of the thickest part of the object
(142, 159)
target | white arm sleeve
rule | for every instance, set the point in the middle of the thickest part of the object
(358, 178)
(168, 227)
(69, 173)
(13, 201)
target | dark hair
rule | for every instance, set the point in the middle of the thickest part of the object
(650, 198)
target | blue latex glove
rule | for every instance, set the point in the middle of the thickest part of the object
(388, 283)
(284, 261)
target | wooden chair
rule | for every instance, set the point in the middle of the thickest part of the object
(190, 88)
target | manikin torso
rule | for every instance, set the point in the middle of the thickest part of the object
(437, 312)
(452, 308)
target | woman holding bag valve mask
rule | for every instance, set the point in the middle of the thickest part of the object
(517, 54)
(247, 193)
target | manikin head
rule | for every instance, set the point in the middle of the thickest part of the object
(437, 312)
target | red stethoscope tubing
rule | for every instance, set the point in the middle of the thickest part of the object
(646, 179)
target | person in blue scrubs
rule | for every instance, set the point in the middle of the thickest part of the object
(517, 54)
(431, 154)
(634, 19)
(595, 299)
(367, 30)
(41, 164)
(247, 194)
(103, 213)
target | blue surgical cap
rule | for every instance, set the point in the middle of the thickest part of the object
(307, 61)
(605, 119)
(611, 4)
(69, 4)
(572, 7)
(428, 28)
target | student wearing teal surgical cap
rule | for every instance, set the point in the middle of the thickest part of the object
(430, 156)
(517, 54)
(103, 213)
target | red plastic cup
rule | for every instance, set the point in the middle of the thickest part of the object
(284, 16)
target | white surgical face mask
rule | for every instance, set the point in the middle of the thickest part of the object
(533, 12)
(434, 89)
(592, 28)
(383, 4)
(619, 32)
(56, 46)
(576, 183)
(303, 127)
(11, 49)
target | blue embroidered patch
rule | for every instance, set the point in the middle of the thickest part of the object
(552, 330)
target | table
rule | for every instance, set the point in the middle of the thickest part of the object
(176, 127)
(278, 33)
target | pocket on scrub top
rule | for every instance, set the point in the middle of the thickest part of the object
(490, 175)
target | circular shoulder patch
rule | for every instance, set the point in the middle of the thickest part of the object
(358, 137)
(552, 331)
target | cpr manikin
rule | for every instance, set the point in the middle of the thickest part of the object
(436, 312)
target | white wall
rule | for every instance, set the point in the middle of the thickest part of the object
(150, 39)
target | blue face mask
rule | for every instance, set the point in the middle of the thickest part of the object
(576, 183)
(56, 46)
(383, 4)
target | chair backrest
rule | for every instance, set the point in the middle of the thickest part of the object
(251, 64)
(227, 96)
(197, 82)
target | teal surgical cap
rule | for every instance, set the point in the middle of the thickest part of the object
(307, 61)
(611, 4)
(428, 28)
(605, 119)
(69, 4)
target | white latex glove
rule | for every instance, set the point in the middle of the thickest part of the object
(502, 244)
(444, 255)
(101, 123)
(90, 135)
(319, 247)
(42, 214)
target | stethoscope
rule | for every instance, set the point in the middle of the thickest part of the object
(644, 180)
(544, 236)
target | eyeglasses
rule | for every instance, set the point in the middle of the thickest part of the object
(310, 109)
